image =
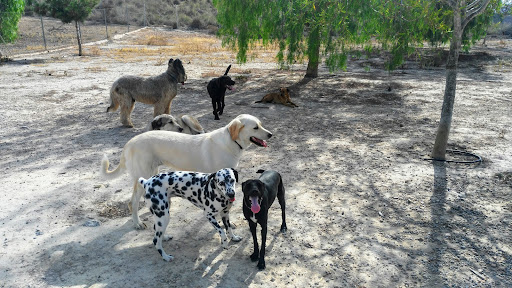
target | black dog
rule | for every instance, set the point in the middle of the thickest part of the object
(259, 194)
(217, 90)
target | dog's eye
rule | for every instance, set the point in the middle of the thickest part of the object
(221, 183)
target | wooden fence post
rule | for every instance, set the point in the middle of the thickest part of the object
(106, 25)
(42, 28)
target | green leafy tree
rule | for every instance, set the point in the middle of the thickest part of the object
(70, 11)
(301, 28)
(312, 29)
(10, 14)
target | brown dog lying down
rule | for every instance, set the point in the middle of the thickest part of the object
(283, 97)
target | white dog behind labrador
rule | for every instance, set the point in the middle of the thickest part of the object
(208, 152)
(182, 123)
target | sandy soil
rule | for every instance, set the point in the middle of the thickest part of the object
(364, 209)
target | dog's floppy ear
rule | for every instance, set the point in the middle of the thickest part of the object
(234, 128)
(156, 124)
(227, 70)
(236, 174)
(177, 63)
(243, 185)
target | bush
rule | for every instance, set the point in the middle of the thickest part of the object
(196, 24)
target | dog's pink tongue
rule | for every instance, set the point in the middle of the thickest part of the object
(261, 142)
(255, 207)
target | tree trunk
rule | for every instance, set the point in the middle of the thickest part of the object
(79, 38)
(313, 53)
(443, 131)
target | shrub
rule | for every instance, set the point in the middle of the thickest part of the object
(196, 24)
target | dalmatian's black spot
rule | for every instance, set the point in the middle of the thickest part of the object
(188, 183)
(159, 224)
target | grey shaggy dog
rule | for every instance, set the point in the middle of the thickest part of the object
(157, 90)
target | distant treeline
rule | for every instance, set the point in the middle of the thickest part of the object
(194, 14)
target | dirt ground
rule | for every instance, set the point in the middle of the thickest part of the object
(364, 209)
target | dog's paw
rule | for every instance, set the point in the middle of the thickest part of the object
(261, 265)
(284, 229)
(167, 258)
(236, 238)
(167, 237)
(141, 226)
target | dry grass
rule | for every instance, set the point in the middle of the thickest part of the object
(152, 40)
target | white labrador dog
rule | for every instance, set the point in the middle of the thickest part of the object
(208, 152)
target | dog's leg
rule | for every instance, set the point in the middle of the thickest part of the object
(160, 226)
(221, 105)
(227, 225)
(136, 194)
(126, 110)
(162, 107)
(261, 262)
(256, 254)
(280, 198)
(215, 224)
(214, 105)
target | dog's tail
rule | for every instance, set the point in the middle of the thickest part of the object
(114, 173)
(227, 70)
(260, 171)
(114, 104)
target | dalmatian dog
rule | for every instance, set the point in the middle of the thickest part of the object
(214, 193)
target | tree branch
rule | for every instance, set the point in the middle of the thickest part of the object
(474, 11)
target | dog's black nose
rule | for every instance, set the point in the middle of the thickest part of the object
(269, 135)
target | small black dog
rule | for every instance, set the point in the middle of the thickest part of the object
(259, 194)
(217, 90)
